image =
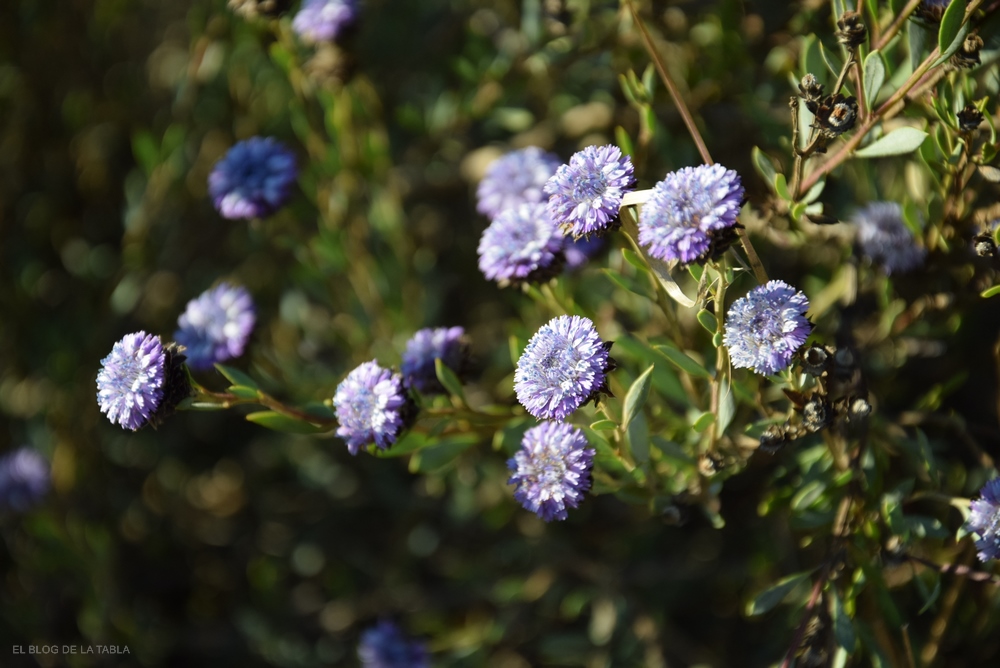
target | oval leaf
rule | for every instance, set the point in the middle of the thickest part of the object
(897, 142)
(991, 292)
(636, 396)
(708, 320)
(773, 595)
(951, 24)
(236, 377)
(874, 76)
(763, 164)
(448, 379)
(604, 425)
(279, 422)
(682, 361)
(633, 259)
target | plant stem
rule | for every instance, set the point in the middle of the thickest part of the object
(227, 400)
(896, 24)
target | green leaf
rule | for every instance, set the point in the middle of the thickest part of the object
(930, 597)
(781, 187)
(704, 421)
(897, 142)
(624, 141)
(990, 292)
(843, 628)
(236, 377)
(188, 404)
(765, 167)
(636, 396)
(814, 192)
(604, 425)
(773, 595)
(874, 76)
(727, 409)
(448, 379)
(951, 24)
(832, 63)
(515, 349)
(917, 39)
(280, 422)
(708, 320)
(638, 439)
(633, 259)
(244, 392)
(682, 361)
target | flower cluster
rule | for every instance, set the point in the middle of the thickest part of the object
(24, 479)
(371, 407)
(324, 20)
(427, 345)
(551, 471)
(521, 244)
(130, 384)
(885, 239)
(216, 325)
(766, 328)
(254, 179)
(514, 179)
(385, 646)
(984, 519)
(586, 193)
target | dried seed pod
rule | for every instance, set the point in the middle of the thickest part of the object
(851, 30)
(816, 360)
(835, 114)
(967, 57)
(811, 88)
(969, 118)
(815, 415)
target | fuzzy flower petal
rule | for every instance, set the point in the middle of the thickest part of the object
(254, 179)
(586, 193)
(130, 384)
(216, 325)
(514, 179)
(562, 366)
(551, 471)
(24, 479)
(520, 242)
(984, 519)
(385, 646)
(324, 20)
(684, 210)
(370, 405)
(885, 239)
(766, 328)
(427, 345)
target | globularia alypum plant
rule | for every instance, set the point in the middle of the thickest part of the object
(711, 357)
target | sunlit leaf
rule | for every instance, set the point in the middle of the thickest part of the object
(897, 142)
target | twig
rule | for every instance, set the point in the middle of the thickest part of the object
(896, 24)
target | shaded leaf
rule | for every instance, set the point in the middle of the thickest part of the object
(280, 422)
(951, 24)
(604, 425)
(636, 396)
(773, 595)
(237, 377)
(448, 379)
(682, 361)
(874, 76)
(765, 167)
(897, 142)
(843, 628)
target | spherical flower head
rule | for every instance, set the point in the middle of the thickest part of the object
(385, 646)
(370, 405)
(551, 471)
(324, 20)
(885, 239)
(984, 519)
(586, 193)
(254, 179)
(562, 367)
(514, 179)
(686, 209)
(216, 325)
(766, 328)
(24, 479)
(520, 244)
(130, 384)
(427, 345)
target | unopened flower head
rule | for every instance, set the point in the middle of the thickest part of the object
(385, 646)
(216, 325)
(24, 479)
(564, 365)
(586, 193)
(688, 210)
(130, 384)
(551, 471)
(254, 179)
(371, 406)
(324, 20)
(885, 239)
(984, 519)
(766, 328)
(521, 244)
(514, 179)
(427, 345)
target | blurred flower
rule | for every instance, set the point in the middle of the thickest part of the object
(324, 20)
(371, 406)
(884, 238)
(984, 519)
(585, 195)
(551, 471)
(216, 325)
(563, 367)
(766, 328)
(687, 209)
(521, 244)
(427, 345)
(579, 251)
(931, 11)
(254, 179)
(514, 179)
(385, 646)
(24, 479)
(130, 384)
(253, 8)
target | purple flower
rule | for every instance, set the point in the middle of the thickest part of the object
(686, 209)
(585, 195)
(324, 20)
(984, 519)
(563, 366)
(254, 179)
(371, 406)
(551, 471)
(385, 646)
(521, 244)
(514, 179)
(216, 325)
(427, 345)
(24, 479)
(885, 239)
(130, 384)
(766, 328)
(579, 251)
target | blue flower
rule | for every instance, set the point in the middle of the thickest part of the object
(130, 384)
(254, 179)
(216, 325)
(885, 239)
(563, 367)
(579, 251)
(24, 479)
(984, 519)
(586, 194)
(371, 406)
(385, 646)
(521, 244)
(766, 328)
(324, 20)
(514, 179)
(551, 471)
(427, 345)
(687, 210)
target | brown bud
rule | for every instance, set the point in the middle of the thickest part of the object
(251, 9)
(969, 118)
(967, 56)
(851, 31)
